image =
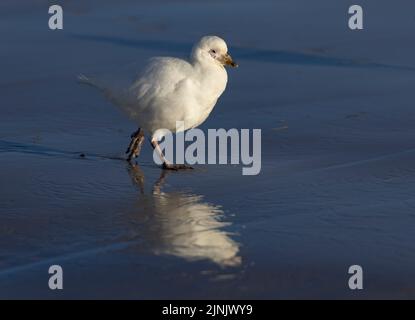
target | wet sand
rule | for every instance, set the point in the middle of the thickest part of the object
(338, 171)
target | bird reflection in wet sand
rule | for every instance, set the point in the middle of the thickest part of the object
(184, 225)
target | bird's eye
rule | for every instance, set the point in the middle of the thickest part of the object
(213, 51)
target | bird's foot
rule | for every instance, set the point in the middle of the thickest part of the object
(137, 139)
(175, 167)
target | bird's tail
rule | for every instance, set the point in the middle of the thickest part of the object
(108, 92)
(83, 79)
(120, 98)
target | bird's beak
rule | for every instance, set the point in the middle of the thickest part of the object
(228, 61)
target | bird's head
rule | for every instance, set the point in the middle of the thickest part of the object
(212, 49)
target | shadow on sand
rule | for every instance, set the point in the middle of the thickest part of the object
(240, 53)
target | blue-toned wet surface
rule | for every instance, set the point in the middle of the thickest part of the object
(338, 155)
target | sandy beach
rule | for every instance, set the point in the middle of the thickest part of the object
(336, 110)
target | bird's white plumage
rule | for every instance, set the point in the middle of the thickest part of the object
(172, 89)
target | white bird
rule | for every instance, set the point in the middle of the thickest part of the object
(171, 89)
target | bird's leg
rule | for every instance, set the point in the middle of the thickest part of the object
(137, 139)
(136, 175)
(160, 182)
(167, 165)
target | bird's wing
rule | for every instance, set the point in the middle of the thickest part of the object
(162, 78)
(153, 92)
